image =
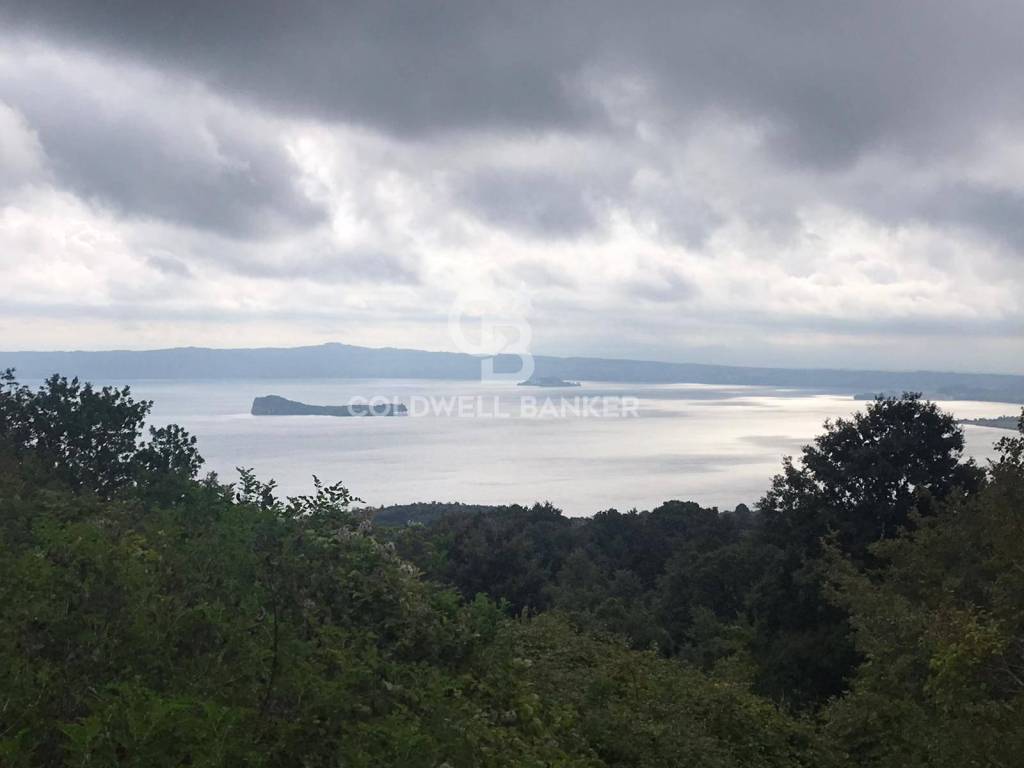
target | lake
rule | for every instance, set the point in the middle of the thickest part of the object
(717, 445)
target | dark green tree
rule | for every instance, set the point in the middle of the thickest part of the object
(91, 438)
(940, 625)
(857, 483)
(225, 626)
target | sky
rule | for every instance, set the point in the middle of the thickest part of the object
(788, 183)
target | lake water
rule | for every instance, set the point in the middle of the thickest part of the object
(717, 445)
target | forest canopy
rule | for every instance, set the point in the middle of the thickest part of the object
(868, 611)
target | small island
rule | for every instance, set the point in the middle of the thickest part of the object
(274, 405)
(547, 381)
(999, 422)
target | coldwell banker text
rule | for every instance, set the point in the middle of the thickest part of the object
(522, 407)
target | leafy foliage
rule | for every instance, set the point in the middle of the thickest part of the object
(941, 629)
(90, 439)
(858, 482)
(148, 618)
(861, 479)
(639, 709)
(222, 625)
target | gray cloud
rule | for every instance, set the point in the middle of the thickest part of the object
(319, 262)
(827, 83)
(157, 149)
(899, 196)
(20, 153)
(407, 67)
(831, 79)
(537, 274)
(169, 265)
(998, 213)
(661, 285)
(542, 204)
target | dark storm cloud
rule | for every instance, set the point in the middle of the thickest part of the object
(826, 82)
(831, 78)
(407, 66)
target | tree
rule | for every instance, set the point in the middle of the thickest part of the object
(940, 626)
(863, 476)
(858, 483)
(90, 439)
(510, 554)
(239, 629)
(1011, 449)
(635, 708)
(225, 626)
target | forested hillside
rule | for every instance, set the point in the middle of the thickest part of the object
(869, 611)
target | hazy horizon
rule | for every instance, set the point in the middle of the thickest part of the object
(536, 352)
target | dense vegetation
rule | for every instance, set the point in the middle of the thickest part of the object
(869, 611)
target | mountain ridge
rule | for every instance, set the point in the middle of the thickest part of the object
(338, 360)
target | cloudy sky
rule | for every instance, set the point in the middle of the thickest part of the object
(791, 183)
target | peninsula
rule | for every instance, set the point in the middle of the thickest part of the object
(999, 422)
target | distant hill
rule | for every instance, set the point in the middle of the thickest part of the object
(346, 361)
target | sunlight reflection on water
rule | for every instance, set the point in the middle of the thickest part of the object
(714, 445)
